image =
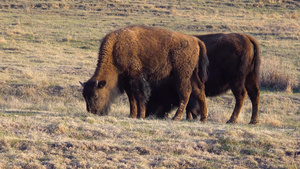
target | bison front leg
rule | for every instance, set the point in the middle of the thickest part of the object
(189, 115)
(141, 105)
(141, 92)
(192, 114)
(184, 94)
(133, 104)
(192, 108)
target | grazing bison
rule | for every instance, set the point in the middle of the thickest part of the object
(234, 63)
(134, 58)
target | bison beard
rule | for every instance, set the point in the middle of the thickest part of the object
(136, 57)
(234, 63)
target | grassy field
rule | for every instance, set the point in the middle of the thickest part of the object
(47, 46)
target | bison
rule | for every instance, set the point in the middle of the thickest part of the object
(134, 58)
(234, 63)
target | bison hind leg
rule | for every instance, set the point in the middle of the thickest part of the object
(239, 92)
(199, 93)
(254, 93)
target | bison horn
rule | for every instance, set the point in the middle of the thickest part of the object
(96, 83)
(82, 84)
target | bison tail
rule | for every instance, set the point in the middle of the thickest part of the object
(203, 62)
(256, 58)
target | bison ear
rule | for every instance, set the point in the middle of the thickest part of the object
(82, 84)
(101, 84)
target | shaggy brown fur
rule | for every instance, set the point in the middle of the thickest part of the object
(135, 57)
(234, 63)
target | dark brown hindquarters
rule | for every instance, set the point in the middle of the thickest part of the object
(253, 80)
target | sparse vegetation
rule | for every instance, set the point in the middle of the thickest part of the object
(46, 47)
(279, 75)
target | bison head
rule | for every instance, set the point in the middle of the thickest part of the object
(96, 97)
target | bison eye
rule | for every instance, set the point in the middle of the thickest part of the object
(95, 97)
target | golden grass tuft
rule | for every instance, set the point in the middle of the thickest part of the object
(15, 32)
(35, 77)
(270, 119)
(279, 75)
(57, 128)
(292, 15)
(2, 40)
(28, 74)
(68, 38)
(219, 115)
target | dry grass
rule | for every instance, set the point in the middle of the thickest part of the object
(86, 141)
(280, 75)
(46, 47)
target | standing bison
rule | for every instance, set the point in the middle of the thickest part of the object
(134, 58)
(234, 63)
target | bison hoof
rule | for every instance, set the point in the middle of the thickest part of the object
(231, 121)
(176, 118)
(203, 120)
(189, 119)
(253, 122)
(140, 117)
(132, 116)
